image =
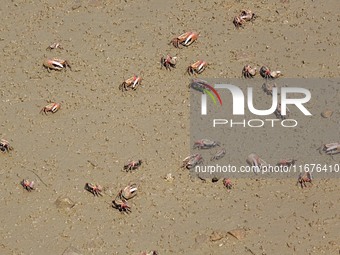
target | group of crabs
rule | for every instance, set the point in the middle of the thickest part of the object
(253, 160)
(119, 202)
(186, 39)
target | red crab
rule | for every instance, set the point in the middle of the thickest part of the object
(28, 185)
(132, 165)
(94, 189)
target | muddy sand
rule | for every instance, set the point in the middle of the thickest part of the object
(99, 128)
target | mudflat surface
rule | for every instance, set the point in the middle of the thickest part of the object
(99, 128)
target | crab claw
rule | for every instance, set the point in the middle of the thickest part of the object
(255, 161)
(129, 191)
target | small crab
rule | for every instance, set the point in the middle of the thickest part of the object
(56, 64)
(286, 162)
(205, 144)
(5, 146)
(192, 161)
(238, 21)
(248, 71)
(28, 185)
(132, 83)
(94, 189)
(185, 39)
(51, 107)
(149, 253)
(128, 192)
(219, 154)
(255, 161)
(304, 178)
(197, 67)
(268, 87)
(132, 165)
(227, 183)
(54, 46)
(265, 72)
(121, 204)
(278, 112)
(330, 148)
(168, 62)
(247, 15)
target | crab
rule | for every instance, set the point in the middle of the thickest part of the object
(54, 46)
(238, 21)
(197, 67)
(132, 165)
(219, 154)
(28, 185)
(265, 72)
(51, 107)
(268, 88)
(192, 161)
(94, 189)
(286, 162)
(227, 183)
(304, 178)
(330, 148)
(5, 146)
(278, 112)
(205, 144)
(248, 71)
(185, 39)
(255, 161)
(121, 205)
(131, 83)
(247, 15)
(128, 192)
(56, 64)
(168, 62)
(149, 253)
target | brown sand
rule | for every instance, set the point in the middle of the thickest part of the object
(99, 127)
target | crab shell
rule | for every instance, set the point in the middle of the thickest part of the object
(254, 160)
(132, 165)
(238, 21)
(331, 148)
(192, 161)
(56, 64)
(132, 82)
(286, 162)
(305, 177)
(121, 205)
(248, 71)
(205, 144)
(51, 107)
(197, 67)
(29, 186)
(168, 62)
(219, 154)
(5, 146)
(227, 183)
(247, 15)
(129, 191)
(54, 46)
(94, 189)
(185, 39)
